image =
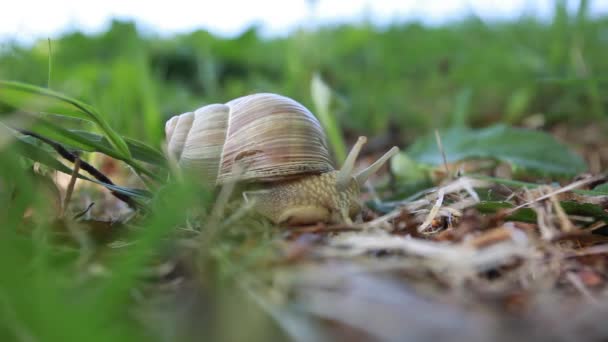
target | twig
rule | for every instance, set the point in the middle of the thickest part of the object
(567, 188)
(70, 189)
(565, 223)
(547, 231)
(598, 249)
(63, 152)
(433, 213)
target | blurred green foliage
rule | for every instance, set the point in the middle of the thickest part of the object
(498, 142)
(408, 75)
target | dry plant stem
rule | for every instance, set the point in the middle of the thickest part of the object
(597, 225)
(469, 189)
(456, 258)
(490, 237)
(599, 249)
(565, 223)
(70, 189)
(63, 152)
(566, 188)
(547, 231)
(433, 213)
(385, 219)
(79, 236)
(462, 183)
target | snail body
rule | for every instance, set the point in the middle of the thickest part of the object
(276, 142)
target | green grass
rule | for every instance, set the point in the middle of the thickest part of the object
(111, 93)
(68, 278)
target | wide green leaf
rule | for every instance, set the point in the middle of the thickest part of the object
(521, 148)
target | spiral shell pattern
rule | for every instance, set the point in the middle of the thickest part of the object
(271, 136)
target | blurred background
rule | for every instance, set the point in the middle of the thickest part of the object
(395, 66)
(395, 71)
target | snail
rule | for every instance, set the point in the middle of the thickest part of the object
(282, 147)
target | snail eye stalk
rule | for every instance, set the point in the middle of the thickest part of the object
(345, 173)
(363, 175)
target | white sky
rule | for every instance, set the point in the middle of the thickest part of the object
(26, 20)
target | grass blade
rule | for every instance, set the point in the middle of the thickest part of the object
(40, 155)
(30, 97)
(321, 96)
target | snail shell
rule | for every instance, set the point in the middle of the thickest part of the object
(275, 137)
(277, 141)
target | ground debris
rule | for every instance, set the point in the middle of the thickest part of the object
(438, 267)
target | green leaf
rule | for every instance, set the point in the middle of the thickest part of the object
(530, 150)
(603, 188)
(585, 209)
(32, 98)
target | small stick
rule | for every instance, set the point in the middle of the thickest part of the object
(565, 222)
(547, 230)
(70, 189)
(597, 249)
(567, 188)
(432, 213)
